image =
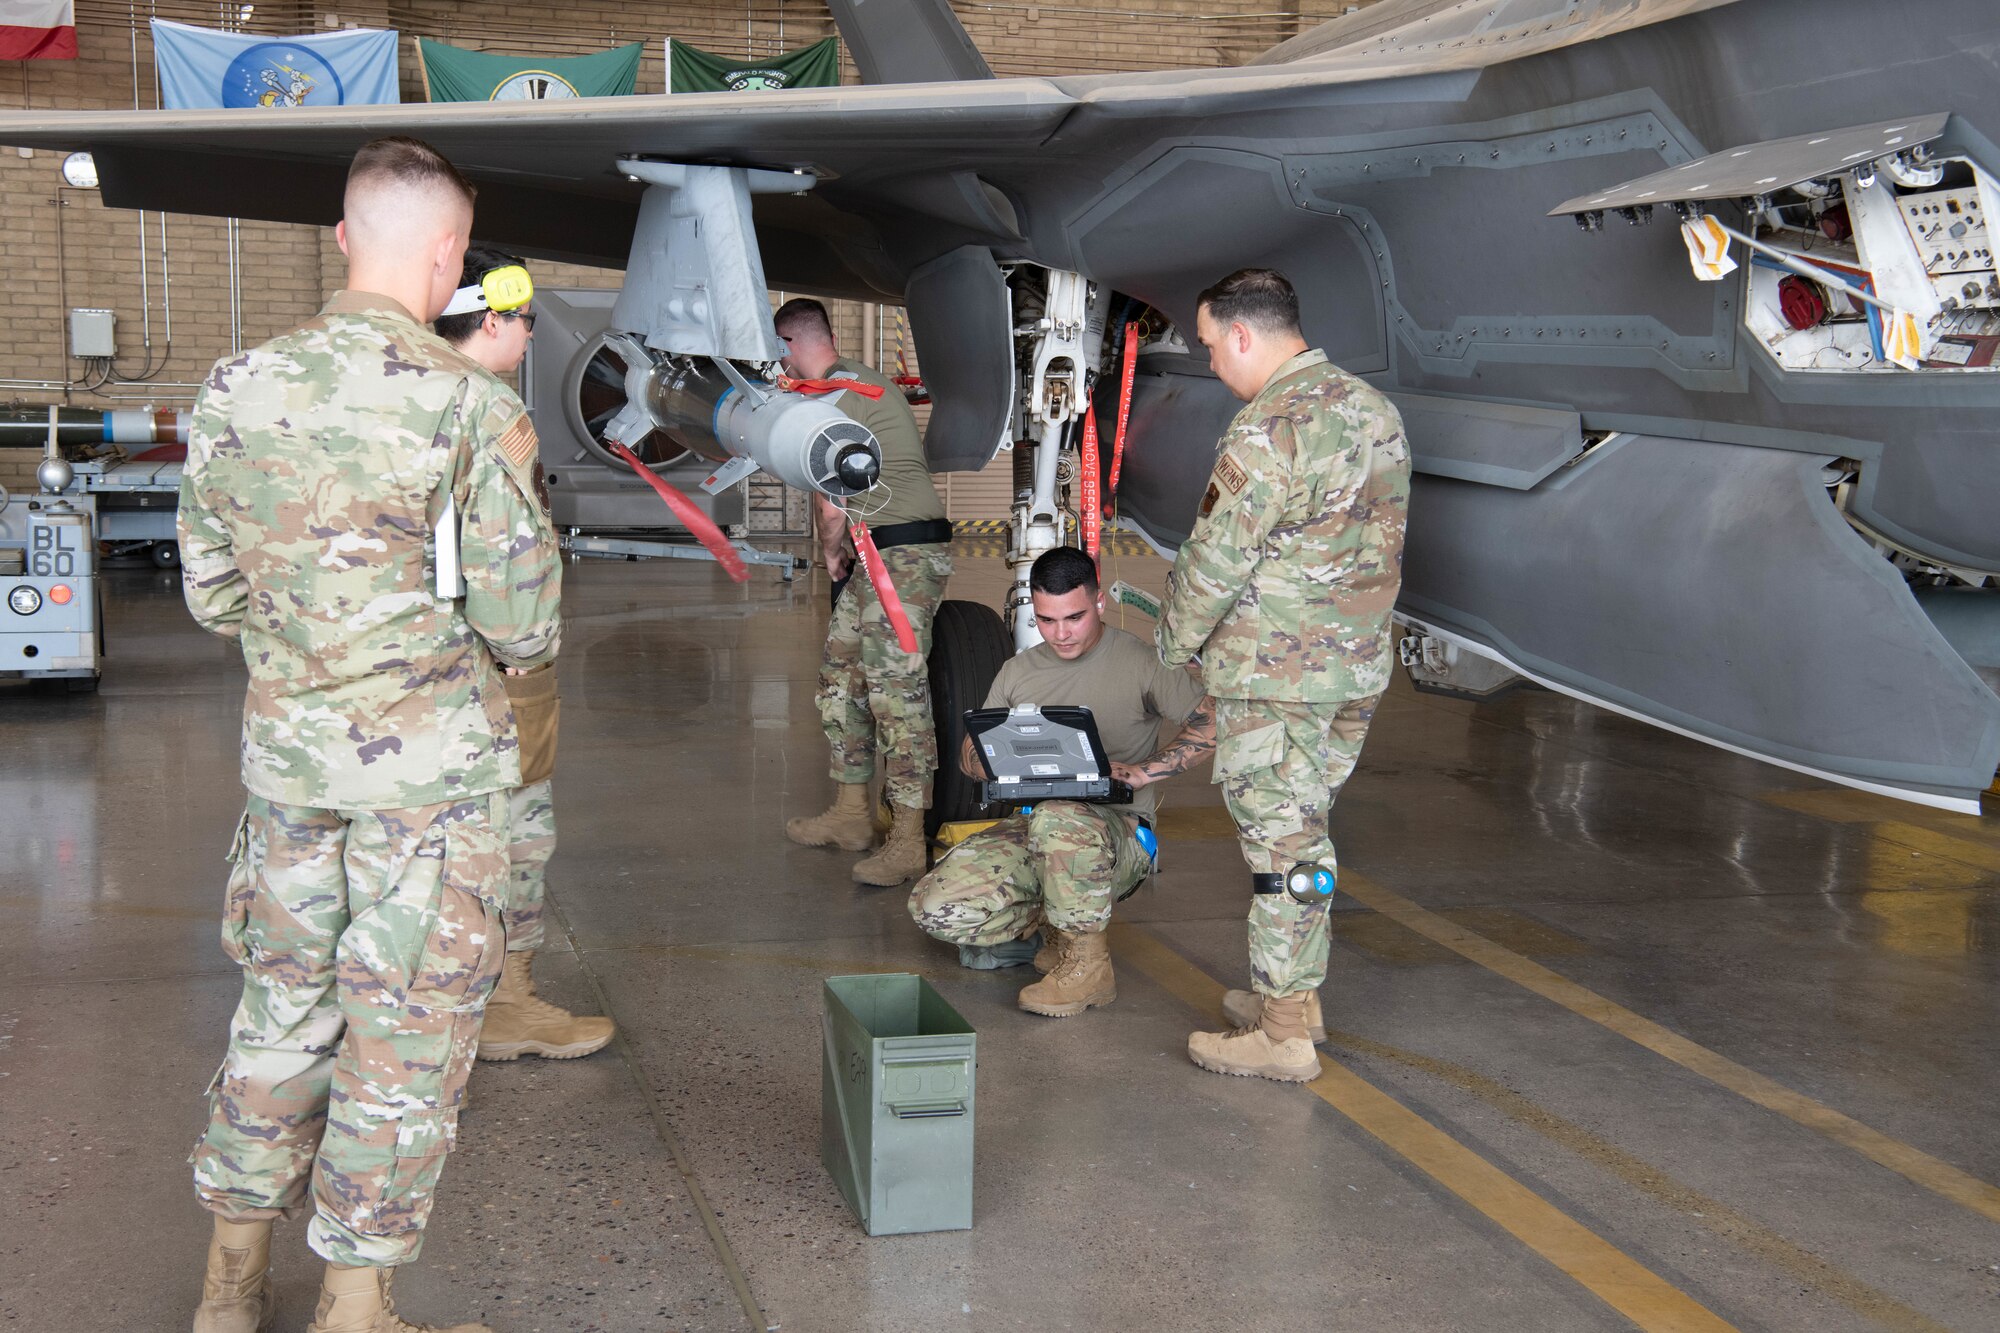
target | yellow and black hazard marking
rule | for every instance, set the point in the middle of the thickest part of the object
(988, 536)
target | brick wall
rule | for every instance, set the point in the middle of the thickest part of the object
(172, 292)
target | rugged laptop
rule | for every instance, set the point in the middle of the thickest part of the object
(1043, 754)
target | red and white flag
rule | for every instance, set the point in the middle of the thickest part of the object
(37, 30)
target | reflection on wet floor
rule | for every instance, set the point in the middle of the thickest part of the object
(1929, 874)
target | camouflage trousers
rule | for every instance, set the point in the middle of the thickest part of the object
(1066, 864)
(873, 696)
(369, 941)
(1281, 765)
(531, 841)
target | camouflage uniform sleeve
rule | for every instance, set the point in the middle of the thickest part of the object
(1244, 501)
(507, 545)
(1173, 693)
(217, 593)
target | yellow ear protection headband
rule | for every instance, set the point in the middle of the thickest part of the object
(500, 290)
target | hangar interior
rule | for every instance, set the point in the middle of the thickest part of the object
(1624, 1029)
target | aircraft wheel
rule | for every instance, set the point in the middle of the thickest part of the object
(166, 555)
(969, 642)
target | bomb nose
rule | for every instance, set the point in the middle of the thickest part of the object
(857, 467)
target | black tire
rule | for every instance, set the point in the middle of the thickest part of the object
(969, 642)
(166, 555)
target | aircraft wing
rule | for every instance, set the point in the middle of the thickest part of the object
(885, 155)
(547, 170)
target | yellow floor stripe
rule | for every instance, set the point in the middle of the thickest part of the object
(1739, 1229)
(1941, 1178)
(1938, 846)
(1976, 837)
(1602, 1269)
(1847, 806)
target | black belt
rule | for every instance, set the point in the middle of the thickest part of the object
(920, 533)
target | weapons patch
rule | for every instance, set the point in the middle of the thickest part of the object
(1230, 474)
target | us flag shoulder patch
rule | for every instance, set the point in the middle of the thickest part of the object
(518, 444)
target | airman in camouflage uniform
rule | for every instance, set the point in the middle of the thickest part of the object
(518, 1020)
(1284, 590)
(1064, 865)
(326, 470)
(875, 699)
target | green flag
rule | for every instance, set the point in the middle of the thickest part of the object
(454, 74)
(691, 70)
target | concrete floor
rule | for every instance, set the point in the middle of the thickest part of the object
(1628, 1030)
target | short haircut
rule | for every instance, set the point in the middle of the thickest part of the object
(480, 260)
(1259, 297)
(801, 310)
(401, 160)
(1062, 569)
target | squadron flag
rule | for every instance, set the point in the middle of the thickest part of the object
(200, 68)
(37, 30)
(692, 70)
(454, 74)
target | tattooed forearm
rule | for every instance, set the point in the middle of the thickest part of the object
(1194, 743)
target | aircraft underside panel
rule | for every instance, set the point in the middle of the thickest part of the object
(1499, 444)
(959, 315)
(1732, 603)
(1162, 237)
(1177, 415)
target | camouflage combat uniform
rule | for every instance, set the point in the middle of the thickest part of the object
(873, 696)
(531, 807)
(1069, 862)
(531, 843)
(1284, 589)
(368, 870)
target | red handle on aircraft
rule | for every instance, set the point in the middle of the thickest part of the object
(1089, 509)
(790, 385)
(885, 588)
(690, 516)
(1124, 404)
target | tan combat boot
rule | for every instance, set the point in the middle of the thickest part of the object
(236, 1290)
(1080, 980)
(1243, 1009)
(1277, 1047)
(905, 856)
(357, 1300)
(519, 1022)
(1050, 953)
(848, 823)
